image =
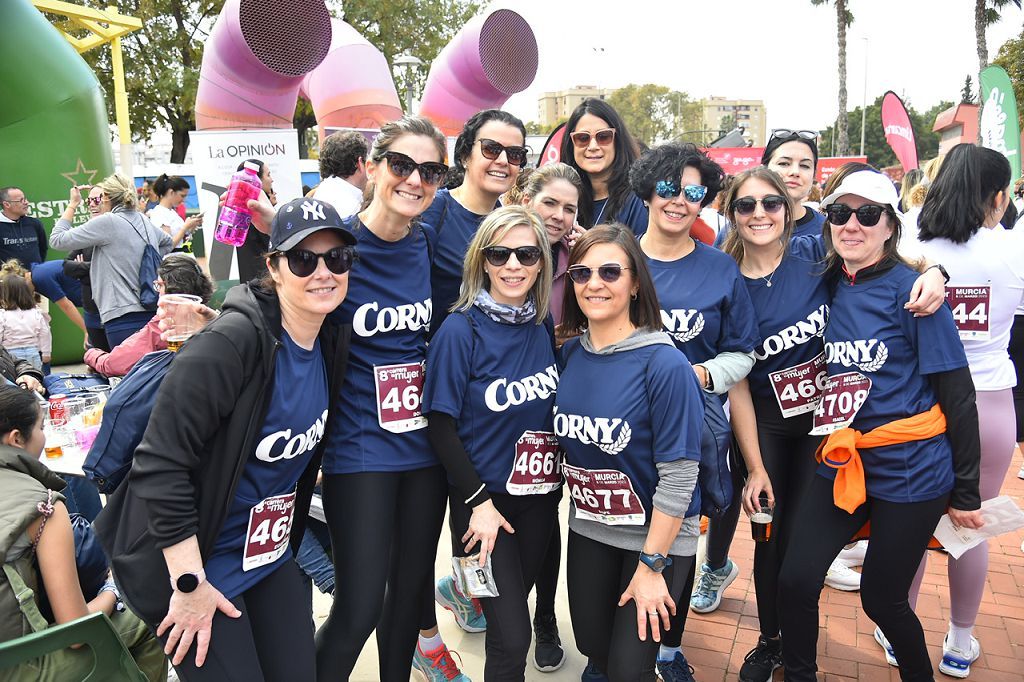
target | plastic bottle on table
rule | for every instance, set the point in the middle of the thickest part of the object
(235, 216)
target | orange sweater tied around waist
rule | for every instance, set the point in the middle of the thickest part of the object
(839, 451)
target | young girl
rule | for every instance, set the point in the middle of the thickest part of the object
(24, 330)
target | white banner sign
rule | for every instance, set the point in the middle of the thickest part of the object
(217, 154)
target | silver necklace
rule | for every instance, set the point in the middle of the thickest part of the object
(768, 279)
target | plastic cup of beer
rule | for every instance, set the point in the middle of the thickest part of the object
(56, 436)
(180, 318)
(761, 522)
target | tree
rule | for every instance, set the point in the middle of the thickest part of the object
(655, 113)
(967, 94)
(986, 13)
(877, 150)
(1011, 58)
(843, 20)
(161, 63)
(398, 27)
(727, 123)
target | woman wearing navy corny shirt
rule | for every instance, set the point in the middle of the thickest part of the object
(903, 444)
(629, 415)
(384, 489)
(491, 385)
(201, 532)
(705, 306)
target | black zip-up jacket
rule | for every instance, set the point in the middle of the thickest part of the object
(202, 432)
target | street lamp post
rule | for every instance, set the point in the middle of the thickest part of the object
(409, 63)
(864, 99)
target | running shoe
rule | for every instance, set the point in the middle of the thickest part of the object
(1020, 474)
(548, 654)
(437, 665)
(957, 662)
(890, 657)
(712, 584)
(592, 673)
(842, 577)
(853, 555)
(761, 661)
(676, 670)
(467, 612)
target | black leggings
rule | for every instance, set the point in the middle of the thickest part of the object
(899, 536)
(384, 531)
(272, 639)
(1017, 355)
(516, 560)
(547, 579)
(597, 575)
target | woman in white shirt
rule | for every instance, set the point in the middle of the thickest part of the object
(172, 190)
(959, 225)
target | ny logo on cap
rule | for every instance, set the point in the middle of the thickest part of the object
(311, 210)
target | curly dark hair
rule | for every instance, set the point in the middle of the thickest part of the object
(464, 142)
(340, 153)
(667, 161)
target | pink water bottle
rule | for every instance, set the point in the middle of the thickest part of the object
(235, 216)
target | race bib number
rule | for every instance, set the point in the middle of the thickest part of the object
(798, 389)
(840, 402)
(605, 496)
(399, 397)
(971, 307)
(537, 469)
(270, 528)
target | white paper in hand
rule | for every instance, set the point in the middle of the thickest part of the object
(1001, 515)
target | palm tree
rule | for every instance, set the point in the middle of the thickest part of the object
(843, 20)
(986, 13)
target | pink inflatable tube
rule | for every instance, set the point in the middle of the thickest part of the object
(492, 58)
(255, 59)
(352, 87)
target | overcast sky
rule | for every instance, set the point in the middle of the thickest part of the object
(780, 51)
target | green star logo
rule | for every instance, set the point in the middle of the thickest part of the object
(81, 175)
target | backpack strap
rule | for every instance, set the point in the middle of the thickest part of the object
(134, 228)
(26, 599)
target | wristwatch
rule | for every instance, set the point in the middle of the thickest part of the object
(655, 562)
(942, 271)
(188, 582)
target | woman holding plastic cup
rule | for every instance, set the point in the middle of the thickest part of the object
(209, 566)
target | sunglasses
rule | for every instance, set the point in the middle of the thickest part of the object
(868, 215)
(499, 255)
(303, 263)
(773, 203)
(609, 272)
(515, 154)
(95, 201)
(603, 137)
(402, 166)
(667, 189)
(802, 134)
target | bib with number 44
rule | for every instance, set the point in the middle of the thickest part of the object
(971, 306)
(842, 399)
(270, 528)
(399, 397)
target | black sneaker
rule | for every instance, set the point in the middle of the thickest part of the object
(762, 660)
(676, 670)
(548, 654)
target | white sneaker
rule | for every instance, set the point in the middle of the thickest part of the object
(853, 555)
(890, 657)
(842, 577)
(956, 662)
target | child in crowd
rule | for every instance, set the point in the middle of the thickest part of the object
(24, 329)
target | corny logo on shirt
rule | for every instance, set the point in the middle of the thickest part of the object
(678, 323)
(867, 355)
(502, 394)
(371, 319)
(599, 431)
(293, 446)
(795, 334)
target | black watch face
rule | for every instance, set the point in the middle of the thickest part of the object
(659, 564)
(188, 582)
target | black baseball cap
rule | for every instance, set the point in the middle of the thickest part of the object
(300, 218)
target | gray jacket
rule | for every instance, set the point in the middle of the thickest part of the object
(117, 238)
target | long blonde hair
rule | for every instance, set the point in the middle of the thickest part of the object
(120, 191)
(920, 190)
(492, 230)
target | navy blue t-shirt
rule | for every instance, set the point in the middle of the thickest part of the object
(380, 424)
(288, 437)
(49, 280)
(452, 227)
(705, 306)
(870, 332)
(633, 214)
(617, 416)
(498, 381)
(810, 225)
(792, 313)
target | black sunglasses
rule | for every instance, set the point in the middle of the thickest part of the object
(773, 203)
(782, 133)
(402, 166)
(868, 215)
(515, 154)
(499, 255)
(609, 272)
(303, 262)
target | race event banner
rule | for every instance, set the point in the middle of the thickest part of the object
(735, 160)
(1000, 129)
(216, 155)
(899, 131)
